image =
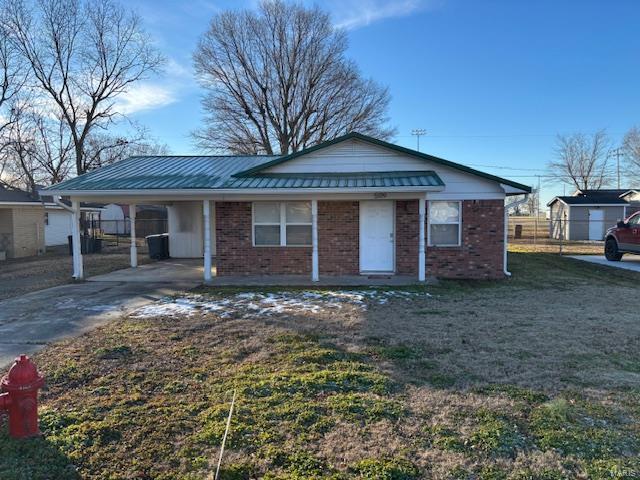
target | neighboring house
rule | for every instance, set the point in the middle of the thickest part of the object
(114, 221)
(21, 224)
(587, 214)
(58, 220)
(351, 206)
(152, 219)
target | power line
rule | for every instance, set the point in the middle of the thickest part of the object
(418, 132)
(617, 152)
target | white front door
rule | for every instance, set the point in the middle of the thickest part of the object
(596, 224)
(377, 244)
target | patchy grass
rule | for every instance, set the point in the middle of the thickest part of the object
(532, 378)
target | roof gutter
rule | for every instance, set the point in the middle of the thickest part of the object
(506, 229)
(58, 202)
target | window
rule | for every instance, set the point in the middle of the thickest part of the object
(46, 218)
(444, 223)
(634, 221)
(282, 224)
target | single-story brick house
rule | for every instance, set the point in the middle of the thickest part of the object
(587, 214)
(350, 206)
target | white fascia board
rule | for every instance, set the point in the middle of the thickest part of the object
(21, 204)
(509, 190)
(465, 196)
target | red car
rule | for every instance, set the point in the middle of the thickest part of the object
(623, 238)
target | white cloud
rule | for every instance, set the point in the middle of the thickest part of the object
(174, 82)
(146, 96)
(351, 14)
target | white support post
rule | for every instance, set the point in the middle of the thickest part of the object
(315, 274)
(78, 270)
(206, 210)
(421, 241)
(134, 248)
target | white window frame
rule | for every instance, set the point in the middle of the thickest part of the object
(283, 224)
(459, 223)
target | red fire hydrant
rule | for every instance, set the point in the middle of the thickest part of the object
(20, 397)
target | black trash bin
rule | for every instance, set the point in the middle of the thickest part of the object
(158, 246)
(87, 244)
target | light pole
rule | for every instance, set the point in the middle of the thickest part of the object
(418, 132)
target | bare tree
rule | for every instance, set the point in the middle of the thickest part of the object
(83, 54)
(277, 81)
(19, 147)
(631, 147)
(581, 160)
(103, 148)
(13, 76)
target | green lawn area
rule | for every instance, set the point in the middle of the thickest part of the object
(535, 377)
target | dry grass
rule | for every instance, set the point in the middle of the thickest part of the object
(557, 247)
(24, 275)
(537, 377)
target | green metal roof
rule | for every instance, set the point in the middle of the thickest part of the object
(162, 172)
(338, 180)
(168, 173)
(358, 136)
(247, 172)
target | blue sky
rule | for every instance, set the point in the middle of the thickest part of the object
(492, 82)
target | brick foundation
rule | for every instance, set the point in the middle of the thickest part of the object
(479, 257)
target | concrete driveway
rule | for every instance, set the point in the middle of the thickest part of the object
(628, 262)
(31, 321)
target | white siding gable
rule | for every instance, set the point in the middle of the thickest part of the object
(358, 156)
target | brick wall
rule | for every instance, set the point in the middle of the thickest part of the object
(339, 238)
(480, 255)
(236, 254)
(407, 237)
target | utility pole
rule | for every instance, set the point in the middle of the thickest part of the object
(617, 152)
(418, 132)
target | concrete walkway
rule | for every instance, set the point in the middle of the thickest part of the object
(628, 262)
(29, 322)
(189, 270)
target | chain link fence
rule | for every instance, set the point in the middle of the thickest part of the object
(561, 236)
(116, 234)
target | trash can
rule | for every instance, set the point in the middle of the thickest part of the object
(87, 244)
(158, 246)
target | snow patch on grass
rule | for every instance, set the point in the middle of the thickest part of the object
(262, 304)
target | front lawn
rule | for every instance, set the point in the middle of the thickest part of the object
(23, 275)
(536, 377)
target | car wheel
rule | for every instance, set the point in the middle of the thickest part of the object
(611, 250)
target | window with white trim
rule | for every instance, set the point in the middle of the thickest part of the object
(282, 224)
(445, 219)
